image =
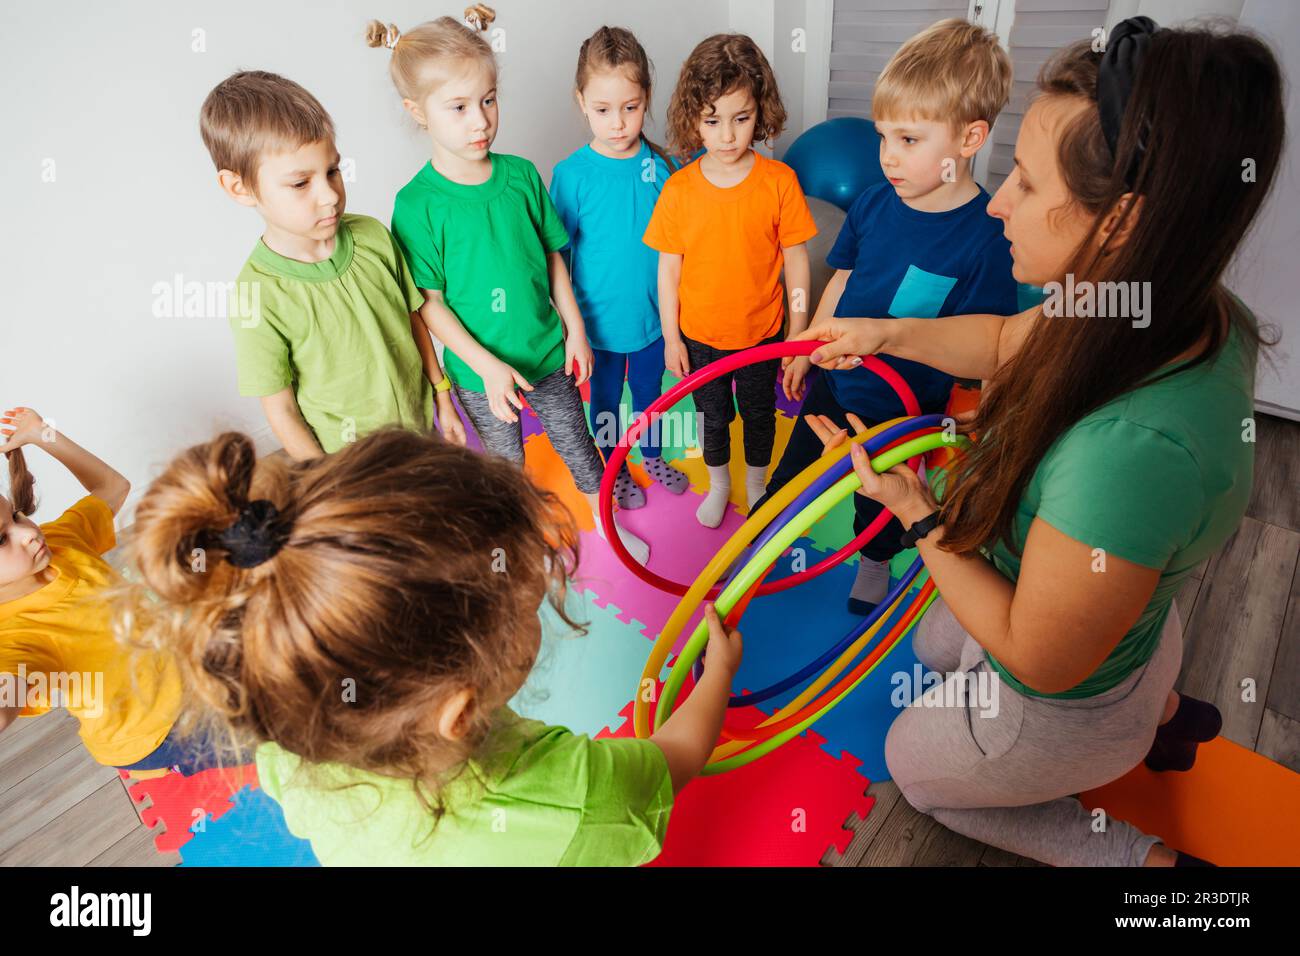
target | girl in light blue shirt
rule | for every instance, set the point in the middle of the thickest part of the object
(605, 193)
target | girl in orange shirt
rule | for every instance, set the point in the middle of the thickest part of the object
(724, 226)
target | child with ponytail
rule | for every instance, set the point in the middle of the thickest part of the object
(483, 241)
(364, 618)
(605, 193)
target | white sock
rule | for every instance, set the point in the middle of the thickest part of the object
(755, 483)
(636, 547)
(714, 506)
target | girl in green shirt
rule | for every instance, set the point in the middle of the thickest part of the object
(361, 620)
(1113, 455)
(483, 239)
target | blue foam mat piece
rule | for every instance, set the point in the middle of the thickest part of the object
(251, 833)
(786, 630)
(582, 682)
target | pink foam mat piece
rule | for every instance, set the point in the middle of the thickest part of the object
(680, 547)
(784, 809)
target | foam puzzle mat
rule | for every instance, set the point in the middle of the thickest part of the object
(1234, 807)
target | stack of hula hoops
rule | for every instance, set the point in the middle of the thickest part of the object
(757, 546)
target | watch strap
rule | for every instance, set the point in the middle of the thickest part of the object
(919, 530)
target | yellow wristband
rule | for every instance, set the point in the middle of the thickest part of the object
(444, 385)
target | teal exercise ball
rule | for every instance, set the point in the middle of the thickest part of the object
(837, 160)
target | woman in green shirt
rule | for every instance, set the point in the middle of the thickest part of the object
(1114, 452)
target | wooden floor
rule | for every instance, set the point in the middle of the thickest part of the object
(1241, 619)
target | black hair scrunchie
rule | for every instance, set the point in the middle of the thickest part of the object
(1127, 45)
(256, 537)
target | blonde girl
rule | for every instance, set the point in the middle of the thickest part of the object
(483, 241)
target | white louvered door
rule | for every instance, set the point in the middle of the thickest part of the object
(1039, 29)
(864, 36)
(867, 32)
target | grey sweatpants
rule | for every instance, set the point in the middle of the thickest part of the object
(1008, 779)
(558, 404)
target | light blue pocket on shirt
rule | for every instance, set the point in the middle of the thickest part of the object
(920, 295)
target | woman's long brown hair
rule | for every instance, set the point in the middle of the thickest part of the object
(1212, 101)
(412, 569)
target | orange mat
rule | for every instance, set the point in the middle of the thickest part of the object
(1233, 808)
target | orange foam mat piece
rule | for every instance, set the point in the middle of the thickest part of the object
(1233, 808)
(545, 466)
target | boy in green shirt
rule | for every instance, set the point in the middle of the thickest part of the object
(325, 314)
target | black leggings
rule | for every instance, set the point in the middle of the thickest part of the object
(755, 394)
(805, 447)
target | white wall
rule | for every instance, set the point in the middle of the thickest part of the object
(1168, 13)
(1264, 271)
(109, 94)
(801, 50)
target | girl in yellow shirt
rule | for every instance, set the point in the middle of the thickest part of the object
(56, 643)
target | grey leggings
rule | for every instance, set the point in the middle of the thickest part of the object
(558, 404)
(1008, 779)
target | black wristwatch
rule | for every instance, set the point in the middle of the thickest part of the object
(919, 530)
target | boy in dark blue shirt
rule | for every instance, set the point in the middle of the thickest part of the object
(919, 245)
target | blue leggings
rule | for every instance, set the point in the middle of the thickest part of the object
(645, 374)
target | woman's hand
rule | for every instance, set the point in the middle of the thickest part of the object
(833, 436)
(845, 341)
(965, 420)
(21, 426)
(675, 358)
(449, 423)
(899, 489)
(577, 350)
(499, 383)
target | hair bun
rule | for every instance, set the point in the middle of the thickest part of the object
(256, 537)
(197, 497)
(479, 16)
(382, 34)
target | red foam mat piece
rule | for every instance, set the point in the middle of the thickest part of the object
(176, 800)
(784, 809)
